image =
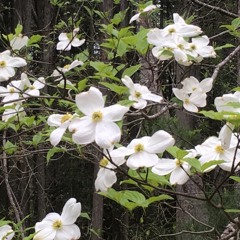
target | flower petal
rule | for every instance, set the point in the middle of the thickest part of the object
(107, 134)
(90, 101)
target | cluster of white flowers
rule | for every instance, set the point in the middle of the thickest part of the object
(179, 40)
(16, 92)
(193, 93)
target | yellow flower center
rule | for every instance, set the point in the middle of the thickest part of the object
(103, 162)
(186, 101)
(139, 148)
(57, 224)
(97, 116)
(178, 162)
(66, 117)
(138, 94)
(31, 87)
(180, 46)
(219, 149)
(3, 64)
(66, 66)
(11, 90)
(193, 47)
(171, 30)
(70, 36)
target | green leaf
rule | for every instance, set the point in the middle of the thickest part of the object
(85, 215)
(30, 237)
(236, 22)
(194, 163)
(18, 29)
(228, 45)
(176, 152)
(121, 48)
(36, 139)
(211, 163)
(54, 150)
(213, 115)
(82, 84)
(232, 210)
(157, 198)
(10, 148)
(115, 88)
(34, 39)
(131, 70)
(237, 179)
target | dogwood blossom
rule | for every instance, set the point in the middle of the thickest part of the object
(106, 176)
(67, 40)
(146, 9)
(13, 109)
(222, 147)
(193, 93)
(62, 121)
(140, 94)
(19, 42)
(193, 101)
(179, 169)
(98, 124)
(7, 65)
(223, 103)
(60, 227)
(58, 72)
(6, 232)
(32, 89)
(191, 84)
(12, 91)
(143, 151)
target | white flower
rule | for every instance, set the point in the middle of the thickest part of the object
(13, 109)
(140, 94)
(32, 89)
(60, 227)
(6, 232)
(12, 91)
(61, 121)
(66, 68)
(179, 170)
(106, 176)
(193, 101)
(146, 9)
(222, 147)
(67, 40)
(19, 42)
(7, 65)
(181, 28)
(199, 47)
(221, 103)
(191, 84)
(98, 124)
(143, 151)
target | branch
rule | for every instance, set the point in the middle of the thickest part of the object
(218, 9)
(225, 61)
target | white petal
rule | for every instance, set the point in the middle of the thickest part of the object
(127, 81)
(56, 135)
(178, 176)
(89, 102)
(164, 166)
(114, 112)
(134, 18)
(107, 134)
(159, 142)
(54, 120)
(142, 159)
(77, 43)
(83, 130)
(71, 211)
(68, 232)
